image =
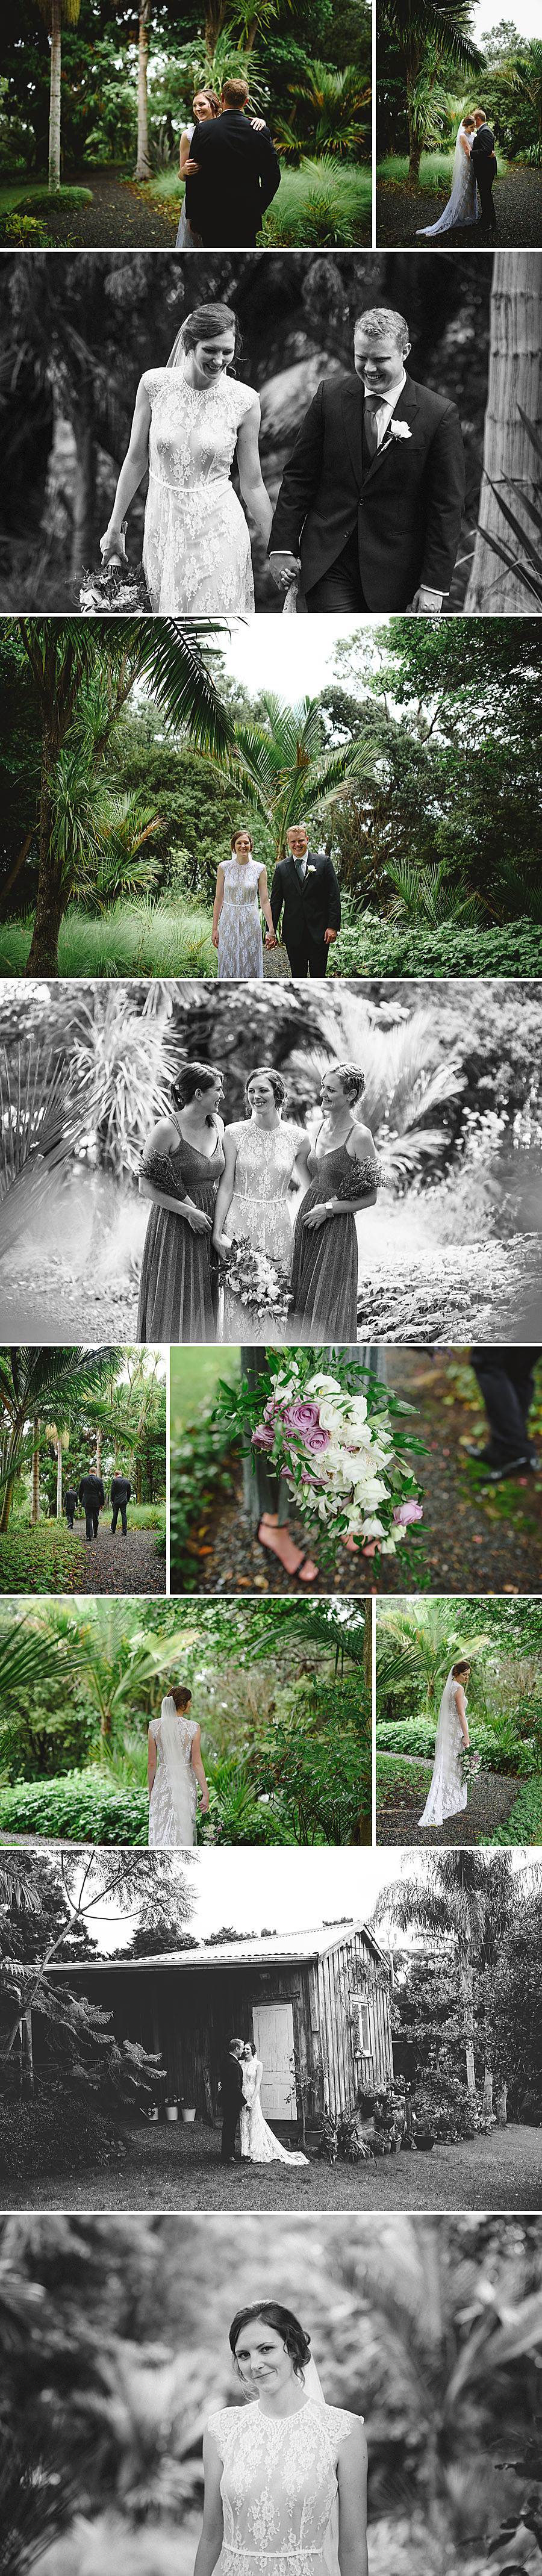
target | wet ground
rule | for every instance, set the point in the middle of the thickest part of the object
(518, 208)
(489, 1804)
(117, 1564)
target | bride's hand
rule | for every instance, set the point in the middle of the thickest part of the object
(214, 938)
(221, 1245)
(112, 546)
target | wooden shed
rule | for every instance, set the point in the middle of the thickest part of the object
(317, 2007)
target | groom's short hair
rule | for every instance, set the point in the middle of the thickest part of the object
(381, 322)
(480, 111)
(235, 93)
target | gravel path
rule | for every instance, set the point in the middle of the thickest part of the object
(518, 207)
(490, 1802)
(117, 1564)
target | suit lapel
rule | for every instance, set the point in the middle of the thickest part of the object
(405, 409)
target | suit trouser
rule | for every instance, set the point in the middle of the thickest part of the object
(69, 1518)
(229, 2125)
(307, 958)
(485, 191)
(91, 1524)
(120, 1507)
(340, 588)
(508, 1398)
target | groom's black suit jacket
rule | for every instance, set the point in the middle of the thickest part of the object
(310, 907)
(238, 174)
(483, 143)
(91, 1493)
(407, 501)
(231, 2084)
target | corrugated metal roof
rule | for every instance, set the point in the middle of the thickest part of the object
(271, 1950)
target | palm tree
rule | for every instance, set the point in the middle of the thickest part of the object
(330, 111)
(510, 497)
(143, 163)
(56, 13)
(284, 770)
(464, 1902)
(417, 25)
(83, 675)
(414, 1652)
(34, 1382)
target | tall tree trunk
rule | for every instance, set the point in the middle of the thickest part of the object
(502, 2098)
(50, 906)
(515, 379)
(368, 1647)
(143, 165)
(54, 97)
(35, 1511)
(487, 2096)
(467, 1995)
(59, 1478)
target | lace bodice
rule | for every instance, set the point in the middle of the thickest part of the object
(193, 429)
(264, 1160)
(240, 953)
(279, 2488)
(240, 884)
(165, 1826)
(188, 1728)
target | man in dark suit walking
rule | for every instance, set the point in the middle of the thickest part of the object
(506, 1382)
(91, 1495)
(484, 156)
(231, 2091)
(238, 173)
(70, 1499)
(120, 1496)
(306, 892)
(370, 505)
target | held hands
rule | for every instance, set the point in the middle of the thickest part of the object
(285, 568)
(271, 940)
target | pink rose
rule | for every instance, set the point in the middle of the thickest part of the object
(315, 1438)
(263, 1436)
(406, 1512)
(300, 1416)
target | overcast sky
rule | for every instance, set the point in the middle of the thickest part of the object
(526, 18)
(278, 1891)
(278, 653)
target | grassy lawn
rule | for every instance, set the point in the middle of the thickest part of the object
(182, 2170)
(135, 938)
(436, 169)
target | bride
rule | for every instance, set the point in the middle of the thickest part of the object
(449, 1788)
(258, 2142)
(285, 2474)
(191, 419)
(175, 1772)
(261, 1158)
(463, 206)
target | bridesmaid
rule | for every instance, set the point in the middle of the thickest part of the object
(180, 1170)
(344, 1175)
(241, 886)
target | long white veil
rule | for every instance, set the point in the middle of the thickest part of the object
(313, 2383)
(438, 1805)
(177, 1767)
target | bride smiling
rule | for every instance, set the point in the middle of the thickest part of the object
(191, 419)
(285, 2474)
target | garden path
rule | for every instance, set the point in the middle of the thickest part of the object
(490, 1802)
(518, 207)
(121, 216)
(117, 1564)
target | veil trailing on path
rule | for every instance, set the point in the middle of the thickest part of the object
(462, 207)
(177, 1767)
(448, 1791)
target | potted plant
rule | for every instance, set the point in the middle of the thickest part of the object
(152, 2113)
(171, 2107)
(188, 2112)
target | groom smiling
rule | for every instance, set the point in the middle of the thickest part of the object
(369, 510)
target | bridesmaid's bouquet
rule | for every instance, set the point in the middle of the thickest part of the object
(336, 1435)
(260, 1283)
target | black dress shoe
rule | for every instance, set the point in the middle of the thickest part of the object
(506, 1466)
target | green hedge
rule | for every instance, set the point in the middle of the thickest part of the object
(500, 1748)
(56, 2132)
(83, 1807)
(524, 1825)
(386, 949)
(42, 201)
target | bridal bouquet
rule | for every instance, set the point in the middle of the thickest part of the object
(115, 591)
(335, 1434)
(260, 1283)
(471, 1763)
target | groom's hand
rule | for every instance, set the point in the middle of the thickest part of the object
(427, 603)
(284, 568)
(328, 936)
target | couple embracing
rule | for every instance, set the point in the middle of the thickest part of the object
(240, 2087)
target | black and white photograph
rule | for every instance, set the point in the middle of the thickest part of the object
(338, 1167)
(413, 2342)
(373, 446)
(204, 803)
(215, 1723)
(291, 2031)
(458, 1739)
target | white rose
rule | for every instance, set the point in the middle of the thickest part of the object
(369, 1529)
(322, 1385)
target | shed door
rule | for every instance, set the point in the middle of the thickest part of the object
(274, 2038)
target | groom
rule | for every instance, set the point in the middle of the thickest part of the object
(231, 2090)
(238, 175)
(483, 154)
(306, 892)
(369, 510)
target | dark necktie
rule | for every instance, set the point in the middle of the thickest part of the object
(371, 423)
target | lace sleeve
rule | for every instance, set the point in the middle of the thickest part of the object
(163, 1170)
(360, 1179)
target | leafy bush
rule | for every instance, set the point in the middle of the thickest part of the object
(500, 1747)
(373, 947)
(43, 202)
(83, 1807)
(524, 1825)
(397, 1782)
(26, 231)
(55, 2132)
(442, 2103)
(201, 1471)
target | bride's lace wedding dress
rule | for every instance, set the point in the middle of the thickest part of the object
(463, 205)
(279, 2489)
(196, 550)
(258, 2142)
(173, 1800)
(449, 1789)
(259, 1214)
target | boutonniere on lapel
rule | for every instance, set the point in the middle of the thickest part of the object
(399, 429)
(311, 872)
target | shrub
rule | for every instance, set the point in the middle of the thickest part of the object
(524, 1825)
(398, 1782)
(26, 231)
(500, 1747)
(42, 202)
(83, 1807)
(372, 947)
(60, 2132)
(441, 2103)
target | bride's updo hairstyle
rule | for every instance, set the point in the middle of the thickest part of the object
(464, 1667)
(180, 1694)
(241, 827)
(193, 1078)
(296, 2342)
(352, 1079)
(207, 323)
(267, 1074)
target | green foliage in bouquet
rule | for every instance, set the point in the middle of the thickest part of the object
(337, 1435)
